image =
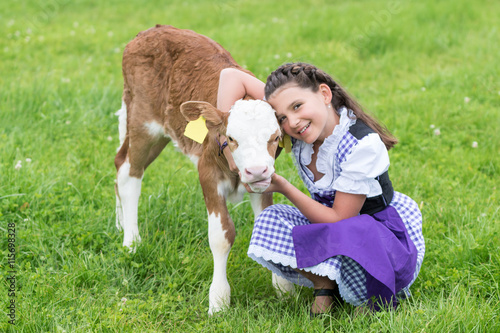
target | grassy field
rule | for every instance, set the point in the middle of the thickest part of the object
(428, 69)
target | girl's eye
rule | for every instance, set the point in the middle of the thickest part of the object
(281, 119)
(296, 106)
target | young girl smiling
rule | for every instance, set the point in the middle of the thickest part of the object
(355, 239)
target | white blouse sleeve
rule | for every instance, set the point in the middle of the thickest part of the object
(368, 159)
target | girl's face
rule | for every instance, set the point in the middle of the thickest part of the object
(304, 114)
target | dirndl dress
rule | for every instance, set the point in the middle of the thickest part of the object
(370, 255)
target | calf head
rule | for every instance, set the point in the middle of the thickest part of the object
(252, 133)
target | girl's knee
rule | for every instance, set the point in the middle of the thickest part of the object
(276, 208)
(280, 214)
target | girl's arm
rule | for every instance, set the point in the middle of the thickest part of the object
(234, 85)
(345, 205)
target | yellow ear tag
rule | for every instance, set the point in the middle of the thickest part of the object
(196, 130)
(286, 143)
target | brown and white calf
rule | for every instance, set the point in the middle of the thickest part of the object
(165, 70)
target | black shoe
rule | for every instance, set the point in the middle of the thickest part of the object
(336, 300)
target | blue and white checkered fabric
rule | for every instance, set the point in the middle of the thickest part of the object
(271, 245)
(346, 144)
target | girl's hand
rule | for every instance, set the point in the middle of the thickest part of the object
(277, 184)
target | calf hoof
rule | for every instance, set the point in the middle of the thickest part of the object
(216, 309)
(131, 244)
(282, 286)
(219, 299)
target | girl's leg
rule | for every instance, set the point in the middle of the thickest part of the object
(321, 304)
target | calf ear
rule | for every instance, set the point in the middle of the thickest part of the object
(192, 110)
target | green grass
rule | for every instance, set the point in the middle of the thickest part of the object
(411, 63)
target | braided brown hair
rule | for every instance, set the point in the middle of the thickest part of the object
(310, 77)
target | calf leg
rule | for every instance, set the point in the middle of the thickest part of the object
(221, 235)
(128, 187)
(139, 149)
(118, 209)
(120, 158)
(129, 190)
(259, 203)
(221, 238)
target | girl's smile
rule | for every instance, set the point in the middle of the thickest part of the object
(304, 129)
(304, 114)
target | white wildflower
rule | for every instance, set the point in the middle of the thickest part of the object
(474, 144)
(72, 32)
(10, 23)
(65, 80)
(466, 99)
(124, 300)
(110, 138)
(70, 184)
(437, 131)
(18, 165)
(110, 33)
(28, 160)
(276, 56)
(289, 54)
(423, 88)
(75, 24)
(68, 122)
(432, 126)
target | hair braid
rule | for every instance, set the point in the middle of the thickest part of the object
(308, 76)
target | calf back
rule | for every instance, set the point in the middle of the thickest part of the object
(165, 66)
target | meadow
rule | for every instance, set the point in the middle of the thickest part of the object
(427, 69)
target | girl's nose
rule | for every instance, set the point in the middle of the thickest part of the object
(294, 121)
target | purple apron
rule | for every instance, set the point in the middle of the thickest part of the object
(378, 242)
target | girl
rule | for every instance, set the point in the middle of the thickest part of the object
(355, 238)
